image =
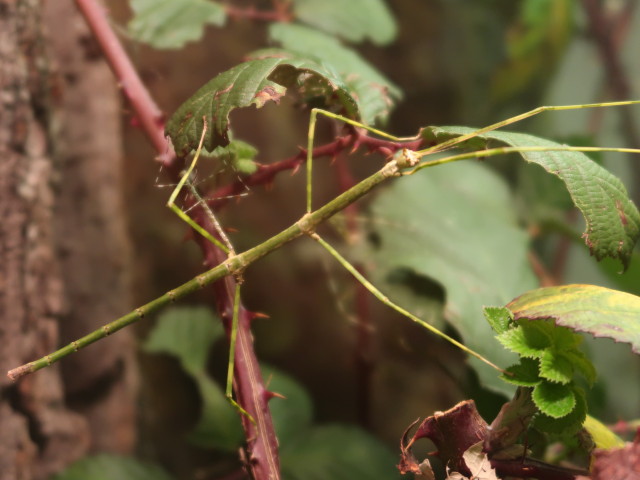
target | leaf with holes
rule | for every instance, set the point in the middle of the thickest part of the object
(423, 225)
(264, 78)
(584, 308)
(374, 92)
(613, 221)
(172, 23)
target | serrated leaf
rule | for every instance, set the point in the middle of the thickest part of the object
(554, 399)
(172, 23)
(218, 424)
(355, 20)
(293, 414)
(526, 340)
(264, 78)
(112, 467)
(600, 311)
(498, 317)
(337, 453)
(556, 367)
(374, 92)
(455, 224)
(613, 221)
(186, 333)
(567, 425)
(583, 365)
(523, 374)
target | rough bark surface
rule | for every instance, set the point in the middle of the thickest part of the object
(59, 203)
(90, 229)
(39, 434)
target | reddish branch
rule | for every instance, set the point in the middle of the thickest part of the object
(248, 384)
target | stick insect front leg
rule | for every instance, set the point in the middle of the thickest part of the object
(226, 246)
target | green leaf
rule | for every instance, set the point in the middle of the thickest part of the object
(582, 364)
(554, 399)
(172, 23)
(529, 341)
(567, 425)
(264, 78)
(523, 374)
(219, 422)
(293, 414)
(337, 453)
(111, 467)
(186, 333)
(239, 155)
(455, 225)
(355, 20)
(585, 308)
(613, 221)
(499, 318)
(374, 92)
(556, 367)
(602, 436)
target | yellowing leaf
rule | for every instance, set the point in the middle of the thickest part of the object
(600, 311)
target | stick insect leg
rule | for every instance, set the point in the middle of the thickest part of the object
(349, 121)
(380, 296)
(531, 113)
(186, 218)
(226, 247)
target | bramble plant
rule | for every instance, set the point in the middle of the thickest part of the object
(409, 231)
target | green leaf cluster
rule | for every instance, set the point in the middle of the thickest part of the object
(550, 365)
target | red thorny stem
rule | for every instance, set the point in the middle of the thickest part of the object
(262, 446)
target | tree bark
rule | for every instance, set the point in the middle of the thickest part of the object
(59, 176)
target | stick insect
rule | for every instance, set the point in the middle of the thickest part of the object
(405, 162)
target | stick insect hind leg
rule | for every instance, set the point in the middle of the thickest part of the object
(226, 246)
(343, 261)
(414, 157)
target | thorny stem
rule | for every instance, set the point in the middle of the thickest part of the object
(249, 385)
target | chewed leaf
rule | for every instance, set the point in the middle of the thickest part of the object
(499, 318)
(585, 308)
(264, 78)
(355, 20)
(613, 221)
(172, 23)
(374, 92)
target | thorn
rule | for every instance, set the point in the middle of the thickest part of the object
(269, 395)
(255, 315)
